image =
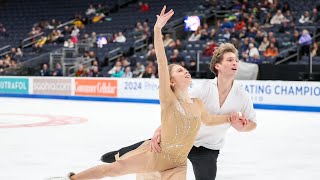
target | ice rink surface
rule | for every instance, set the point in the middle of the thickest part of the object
(42, 138)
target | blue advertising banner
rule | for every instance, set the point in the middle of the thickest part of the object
(14, 85)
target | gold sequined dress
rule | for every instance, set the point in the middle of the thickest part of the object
(180, 123)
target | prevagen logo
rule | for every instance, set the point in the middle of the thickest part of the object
(14, 85)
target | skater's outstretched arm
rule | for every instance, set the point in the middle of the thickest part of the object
(165, 92)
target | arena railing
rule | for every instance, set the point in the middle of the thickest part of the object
(295, 48)
(29, 41)
(28, 68)
(86, 63)
(4, 50)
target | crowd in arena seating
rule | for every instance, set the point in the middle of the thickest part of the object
(260, 30)
(250, 27)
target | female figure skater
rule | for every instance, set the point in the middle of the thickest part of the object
(180, 121)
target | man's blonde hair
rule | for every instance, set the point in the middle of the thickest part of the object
(218, 55)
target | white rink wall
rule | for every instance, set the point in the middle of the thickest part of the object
(280, 95)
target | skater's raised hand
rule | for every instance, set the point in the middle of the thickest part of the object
(163, 18)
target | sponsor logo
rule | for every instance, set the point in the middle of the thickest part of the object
(96, 87)
(14, 85)
(52, 86)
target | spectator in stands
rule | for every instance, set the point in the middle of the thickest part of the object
(145, 25)
(204, 32)
(88, 73)
(19, 54)
(305, 18)
(249, 23)
(95, 72)
(120, 38)
(255, 59)
(243, 33)
(153, 67)
(148, 73)
(315, 48)
(146, 33)
(226, 34)
(58, 70)
(183, 64)
(53, 36)
(45, 71)
(274, 6)
(80, 72)
(167, 40)
(226, 24)
(253, 50)
(68, 44)
(151, 56)
(274, 41)
(92, 55)
(40, 43)
(267, 20)
(278, 18)
(285, 28)
(7, 60)
(94, 64)
(125, 63)
(212, 34)
(315, 15)
(85, 39)
(53, 24)
(209, 49)
(138, 28)
(144, 7)
(235, 42)
(177, 44)
(93, 39)
(150, 48)
(288, 15)
(2, 66)
(195, 36)
(175, 57)
(127, 73)
(271, 51)
(296, 36)
(139, 70)
(240, 24)
(74, 39)
(80, 21)
(244, 46)
(66, 31)
(270, 35)
(34, 31)
(259, 37)
(264, 44)
(117, 65)
(98, 17)
(91, 10)
(193, 67)
(61, 37)
(252, 33)
(12, 53)
(305, 41)
(75, 31)
(85, 56)
(233, 34)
